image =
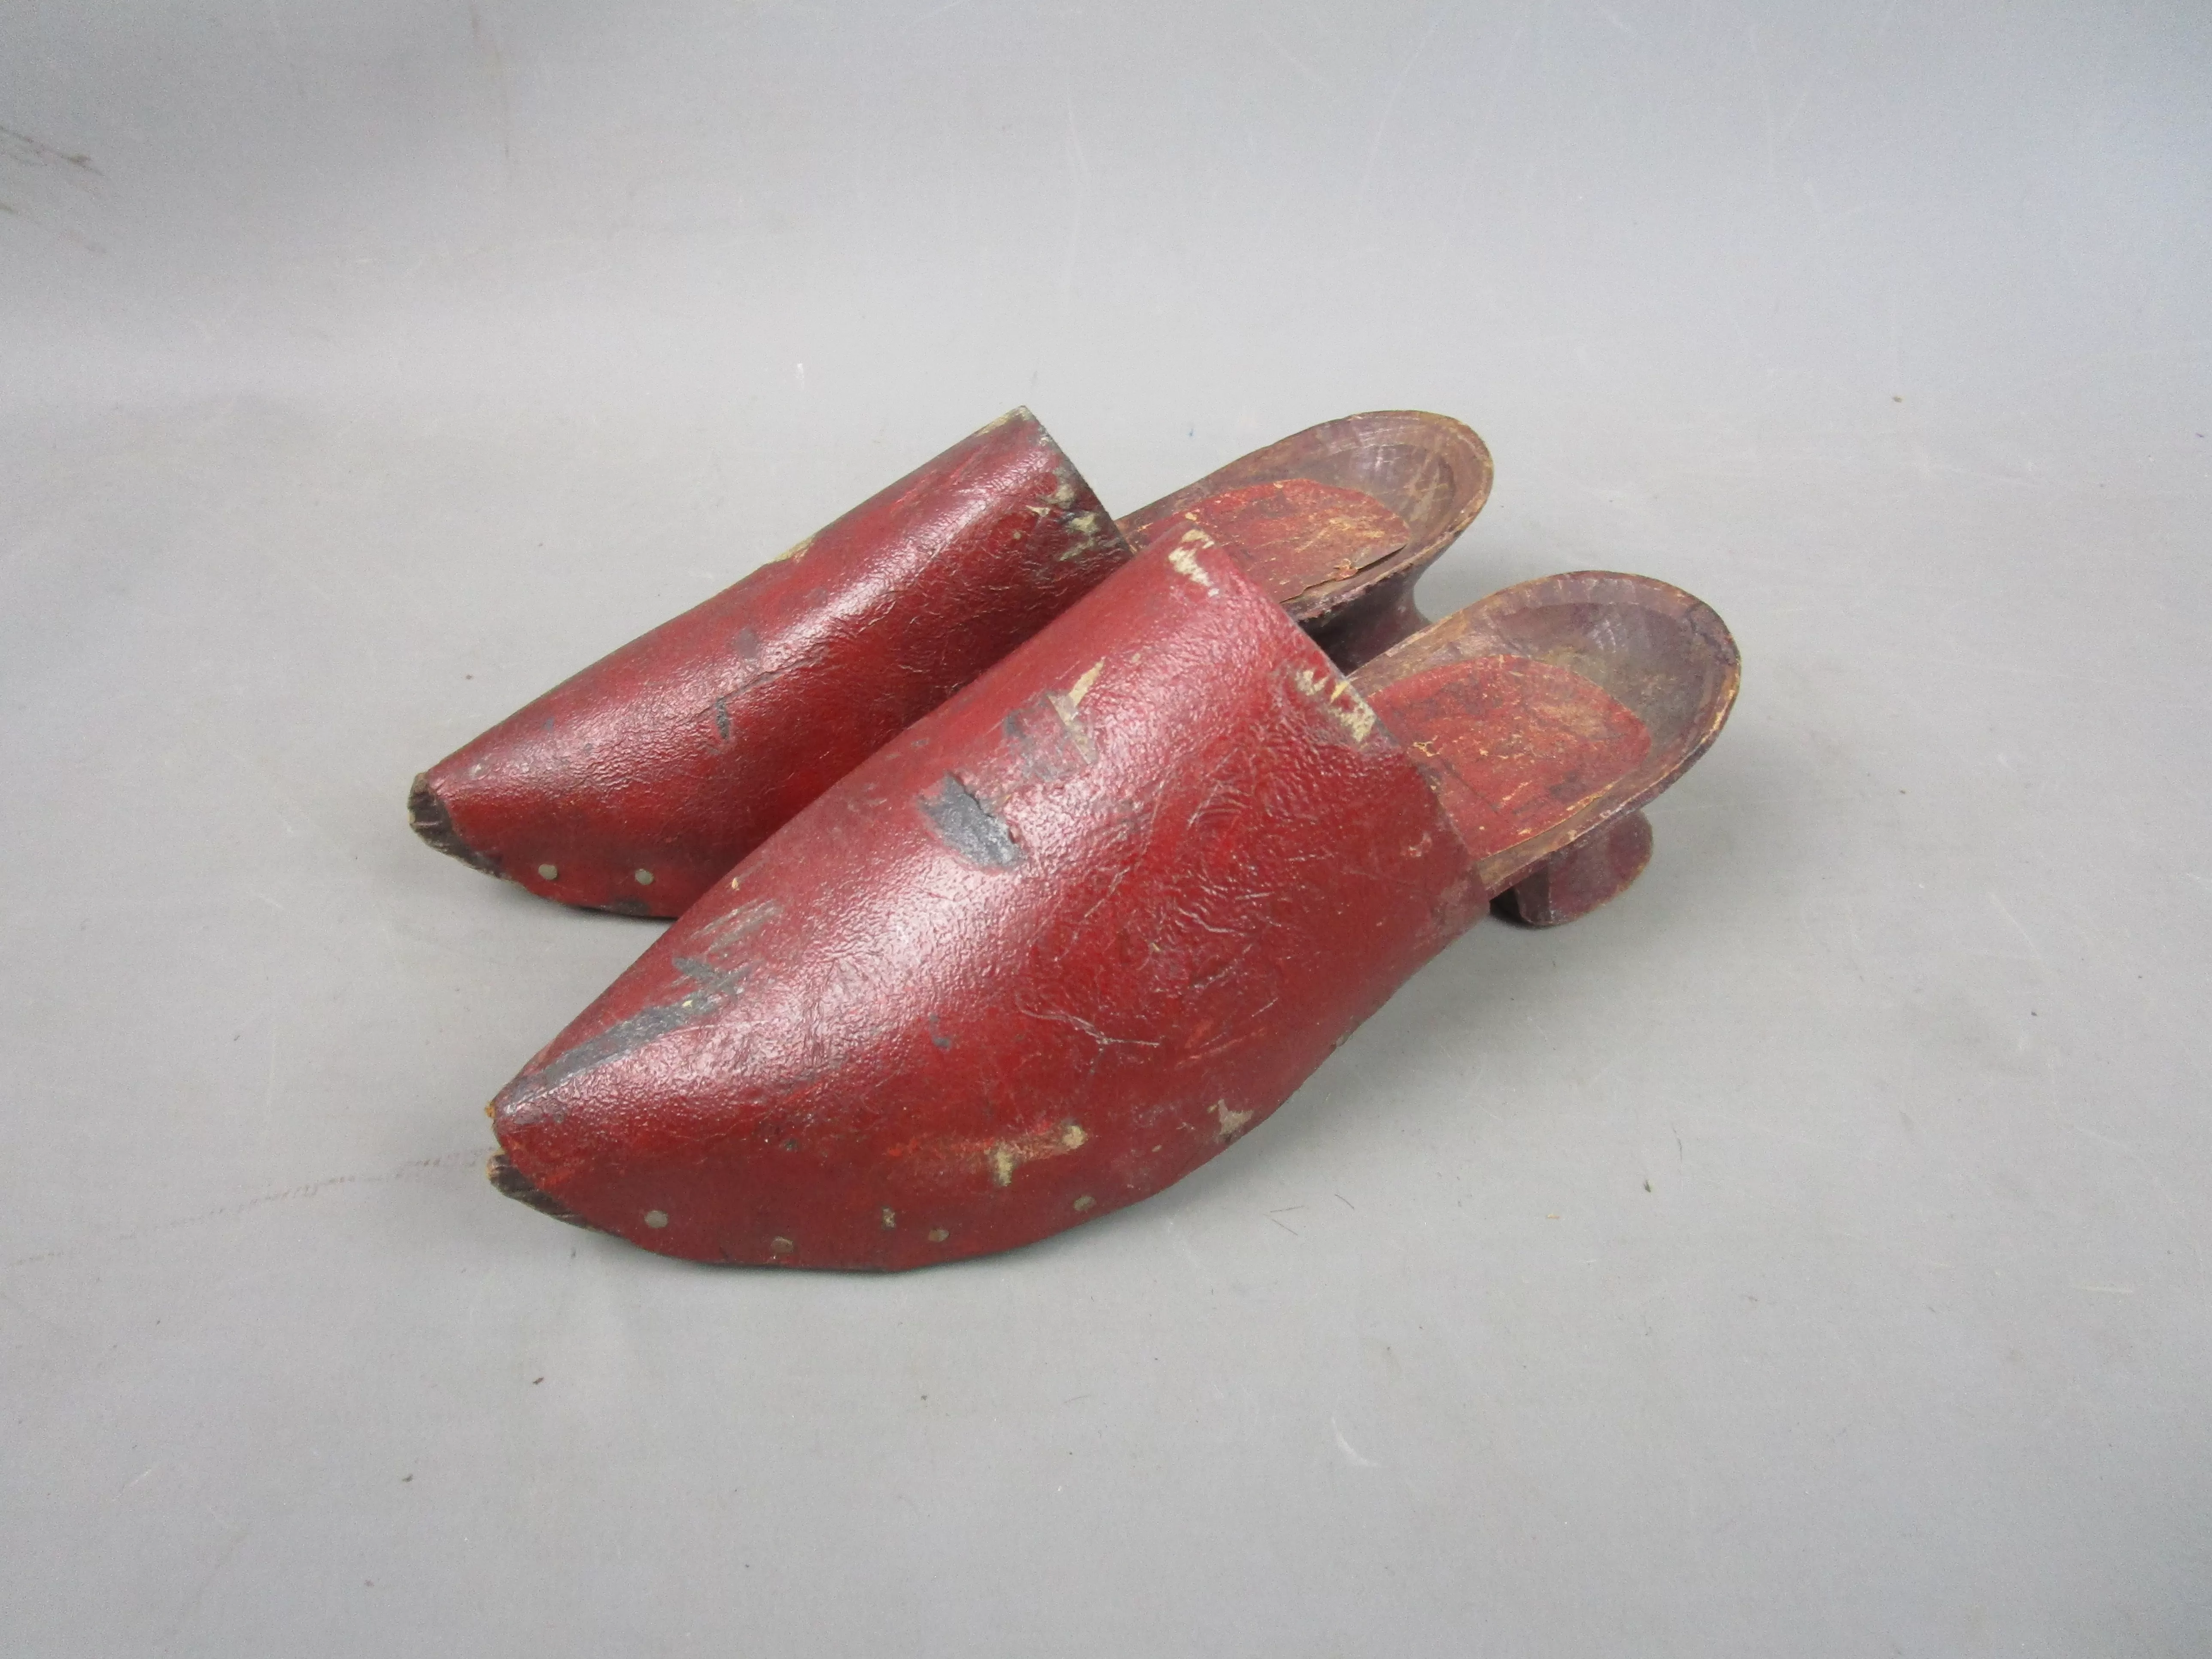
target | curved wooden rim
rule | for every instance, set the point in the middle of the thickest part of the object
(1432, 470)
(1661, 652)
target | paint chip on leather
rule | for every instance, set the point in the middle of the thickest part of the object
(969, 828)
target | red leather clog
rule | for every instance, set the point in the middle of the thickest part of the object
(636, 784)
(1091, 921)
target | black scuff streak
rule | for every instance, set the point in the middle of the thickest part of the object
(717, 987)
(969, 828)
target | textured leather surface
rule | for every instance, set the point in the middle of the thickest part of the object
(1063, 941)
(636, 783)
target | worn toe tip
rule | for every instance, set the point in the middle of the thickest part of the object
(502, 1174)
(429, 816)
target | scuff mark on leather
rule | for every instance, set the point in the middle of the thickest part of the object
(1087, 533)
(734, 926)
(1104, 1040)
(969, 828)
(1050, 744)
(715, 987)
(1233, 1124)
(1337, 700)
(1005, 1157)
(1184, 557)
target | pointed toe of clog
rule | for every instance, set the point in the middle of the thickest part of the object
(430, 815)
(501, 1171)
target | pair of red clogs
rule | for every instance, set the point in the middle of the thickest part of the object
(1025, 859)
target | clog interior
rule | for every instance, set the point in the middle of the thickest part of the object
(1432, 472)
(1547, 710)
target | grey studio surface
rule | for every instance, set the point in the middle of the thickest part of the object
(1805, 1255)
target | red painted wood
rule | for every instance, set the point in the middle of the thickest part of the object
(1432, 471)
(636, 784)
(1096, 917)
(1570, 884)
(1656, 651)
(1509, 743)
(1045, 953)
(1590, 873)
(1290, 535)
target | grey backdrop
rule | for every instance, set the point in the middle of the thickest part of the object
(1807, 1254)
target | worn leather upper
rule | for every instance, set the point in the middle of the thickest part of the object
(1064, 941)
(636, 784)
